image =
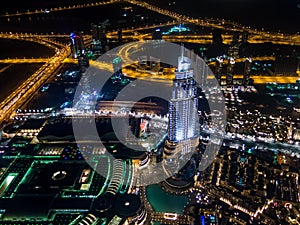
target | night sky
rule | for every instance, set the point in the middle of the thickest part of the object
(277, 15)
(273, 15)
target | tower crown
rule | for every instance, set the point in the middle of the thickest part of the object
(184, 63)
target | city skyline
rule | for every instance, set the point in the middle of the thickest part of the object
(149, 112)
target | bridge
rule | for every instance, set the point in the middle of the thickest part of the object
(57, 9)
(226, 25)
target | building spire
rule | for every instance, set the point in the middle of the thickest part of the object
(182, 51)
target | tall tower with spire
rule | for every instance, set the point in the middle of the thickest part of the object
(183, 105)
(183, 116)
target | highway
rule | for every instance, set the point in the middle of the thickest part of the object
(132, 34)
(125, 51)
(16, 99)
(256, 36)
(201, 38)
(132, 47)
(24, 60)
(124, 54)
(145, 33)
(222, 24)
(258, 79)
(24, 91)
(33, 60)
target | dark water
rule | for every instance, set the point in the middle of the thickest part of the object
(19, 49)
(14, 76)
(79, 19)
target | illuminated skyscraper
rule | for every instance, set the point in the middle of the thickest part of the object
(77, 44)
(99, 39)
(245, 37)
(218, 68)
(96, 43)
(247, 70)
(83, 62)
(183, 105)
(157, 35)
(229, 75)
(120, 35)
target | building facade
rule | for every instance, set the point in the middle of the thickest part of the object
(183, 105)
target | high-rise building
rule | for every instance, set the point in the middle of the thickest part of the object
(77, 44)
(83, 62)
(217, 37)
(218, 68)
(183, 105)
(247, 70)
(245, 36)
(235, 38)
(117, 65)
(233, 50)
(154, 64)
(143, 62)
(99, 39)
(120, 35)
(229, 75)
(96, 46)
(203, 52)
(157, 34)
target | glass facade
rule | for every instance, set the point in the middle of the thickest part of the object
(183, 105)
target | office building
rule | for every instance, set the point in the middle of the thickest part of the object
(99, 39)
(245, 36)
(77, 44)
(83, 62)
(247, 70)
(218, 68)
(229, 74)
